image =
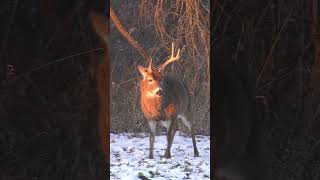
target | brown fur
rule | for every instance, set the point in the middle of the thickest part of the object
(151, 108)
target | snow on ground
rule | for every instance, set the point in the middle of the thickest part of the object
(129, 158)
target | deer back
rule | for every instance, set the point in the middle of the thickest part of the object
(175, 92)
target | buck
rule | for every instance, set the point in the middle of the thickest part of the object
(165, 100)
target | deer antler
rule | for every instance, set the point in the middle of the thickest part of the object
(150, 64)
(170, 60)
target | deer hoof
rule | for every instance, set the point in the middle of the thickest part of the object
(167, 155)
(196, 154)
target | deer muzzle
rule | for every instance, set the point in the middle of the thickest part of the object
(159, 91)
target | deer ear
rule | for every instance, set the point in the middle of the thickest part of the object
(157, 73)
(142, 70)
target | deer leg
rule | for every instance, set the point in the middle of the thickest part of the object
(190, 127)
(174, 130)
(152, 125)
(167, 154)
(152, 137)
(194, 142)
(170, 140)
(171, 130)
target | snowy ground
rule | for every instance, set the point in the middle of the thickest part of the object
(129, 158)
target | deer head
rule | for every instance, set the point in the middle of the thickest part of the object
(151, 83)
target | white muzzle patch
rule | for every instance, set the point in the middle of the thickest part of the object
(154, 92)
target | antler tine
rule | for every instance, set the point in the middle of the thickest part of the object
(171, 59)
(150, 64)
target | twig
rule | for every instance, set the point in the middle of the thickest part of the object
(266, 62)
(54, 62)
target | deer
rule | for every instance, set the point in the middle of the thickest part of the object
(240, 151)
(165, 100)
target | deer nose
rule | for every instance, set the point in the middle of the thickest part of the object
(159, 92)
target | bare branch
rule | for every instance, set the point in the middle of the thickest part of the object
(127, 36)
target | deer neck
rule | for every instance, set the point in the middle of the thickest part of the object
(151, 107)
